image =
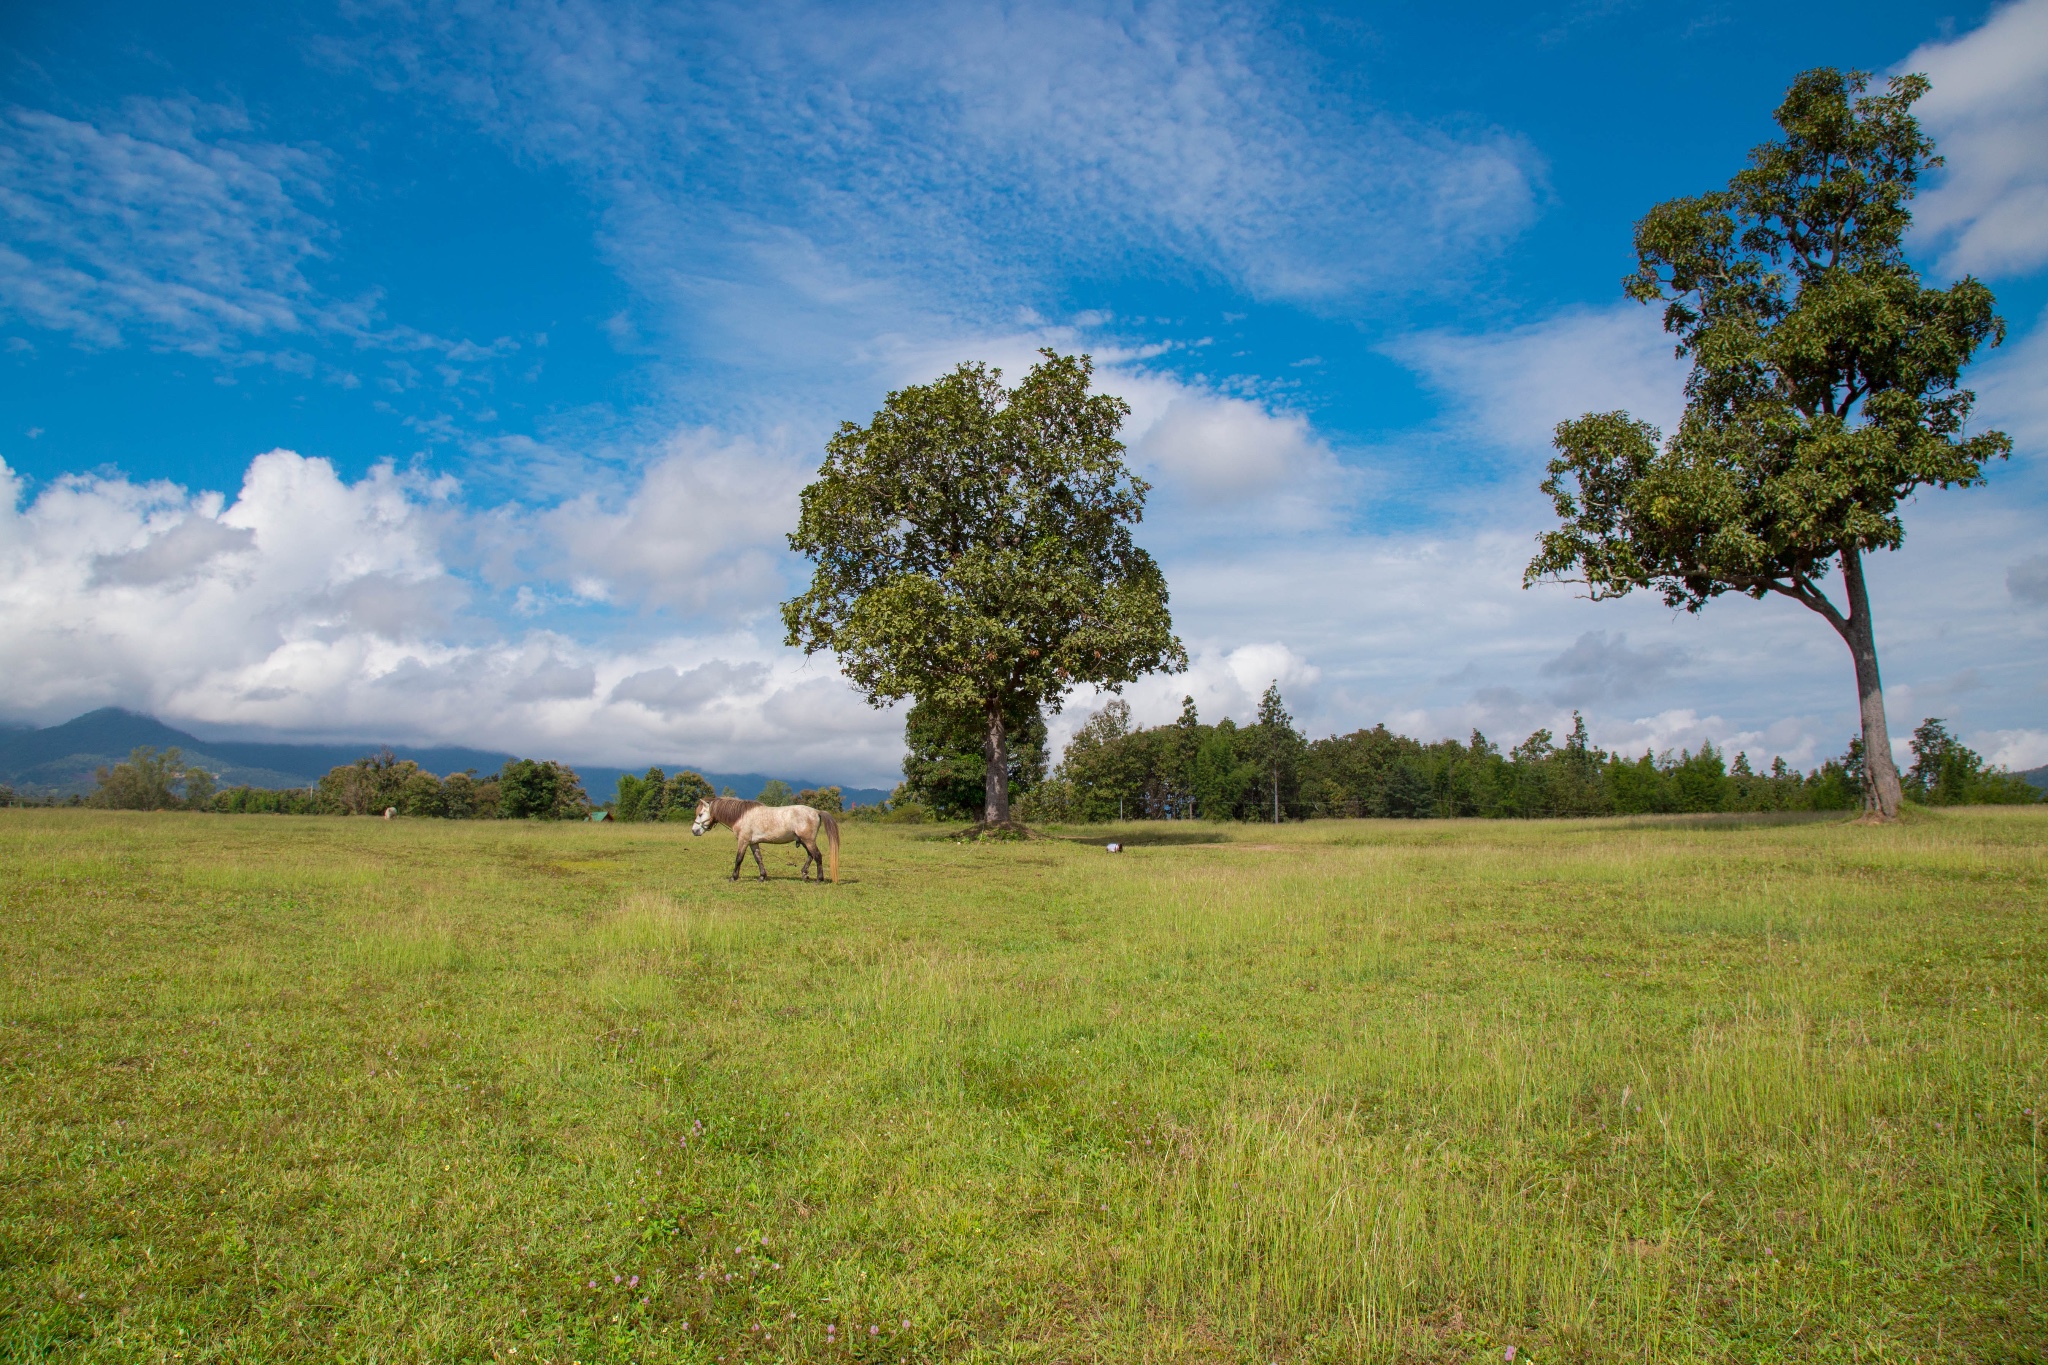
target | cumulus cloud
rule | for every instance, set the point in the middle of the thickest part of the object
(670, 692)
(314, 606)
(553, 679)
(2015, 750)
(701, 528)
(1214, 458)
(1988, 110)
(178, 552)
(1511, 388)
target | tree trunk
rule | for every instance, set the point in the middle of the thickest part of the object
(995, 783)
(1881, 790)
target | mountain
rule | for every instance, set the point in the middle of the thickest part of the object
(61, 759)
(2038, 776)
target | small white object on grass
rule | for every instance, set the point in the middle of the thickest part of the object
(1114, 847)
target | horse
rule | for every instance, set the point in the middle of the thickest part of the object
(754, 824)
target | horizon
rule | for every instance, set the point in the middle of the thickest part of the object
(431, 758)
(452, 375)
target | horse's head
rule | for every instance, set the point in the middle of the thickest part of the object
(703, 820)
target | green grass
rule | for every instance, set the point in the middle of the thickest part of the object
(297, 1089)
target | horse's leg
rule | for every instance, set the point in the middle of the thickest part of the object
(739, 857)
(757, 861)
(810, 849)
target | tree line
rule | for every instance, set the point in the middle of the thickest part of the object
(656, 796)
(524, 789)
(1268, 770)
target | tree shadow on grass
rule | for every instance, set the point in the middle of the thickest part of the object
(1734, 820)
(1144, 837)
(1126, 836)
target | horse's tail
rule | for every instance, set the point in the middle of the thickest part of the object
(831, 840)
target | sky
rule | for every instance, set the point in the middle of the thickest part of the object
(449, 372)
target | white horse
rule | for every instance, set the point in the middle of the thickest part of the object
(755, 824)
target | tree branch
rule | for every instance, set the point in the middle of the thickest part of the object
(1802, 591)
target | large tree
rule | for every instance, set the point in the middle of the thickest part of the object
(973, 550)
(1825, 386)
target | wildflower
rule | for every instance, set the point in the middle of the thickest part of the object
(1510, 1355)
(615, 1279)
(633, 1283)
(906, 1324)
(873, 1330)
(593, 1284)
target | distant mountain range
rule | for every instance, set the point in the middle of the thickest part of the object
(2038, 776)
(61, 759)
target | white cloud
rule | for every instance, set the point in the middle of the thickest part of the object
(2012, 395)
(667, 691)
(553, 679)
(317, 607)
(172, 222)
(1231, 455)
(701, 529)
(169, 220)
(1988, 110)
(175, 554)
(1513, 387)
(2015, 750)
(802, 189)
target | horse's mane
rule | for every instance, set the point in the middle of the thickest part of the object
(726, 809)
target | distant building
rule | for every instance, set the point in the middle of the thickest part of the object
(600, 817)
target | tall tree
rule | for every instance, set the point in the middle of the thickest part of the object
(1825, 387)
(1276, 747)
(1187, 742)
(149, 781)
(973, 549)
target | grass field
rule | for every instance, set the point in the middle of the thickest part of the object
(290, 1089)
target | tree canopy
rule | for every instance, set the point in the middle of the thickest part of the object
(153, 781)
(1825, 386)
(973, 549)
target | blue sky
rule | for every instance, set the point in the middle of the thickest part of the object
(449, 371)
